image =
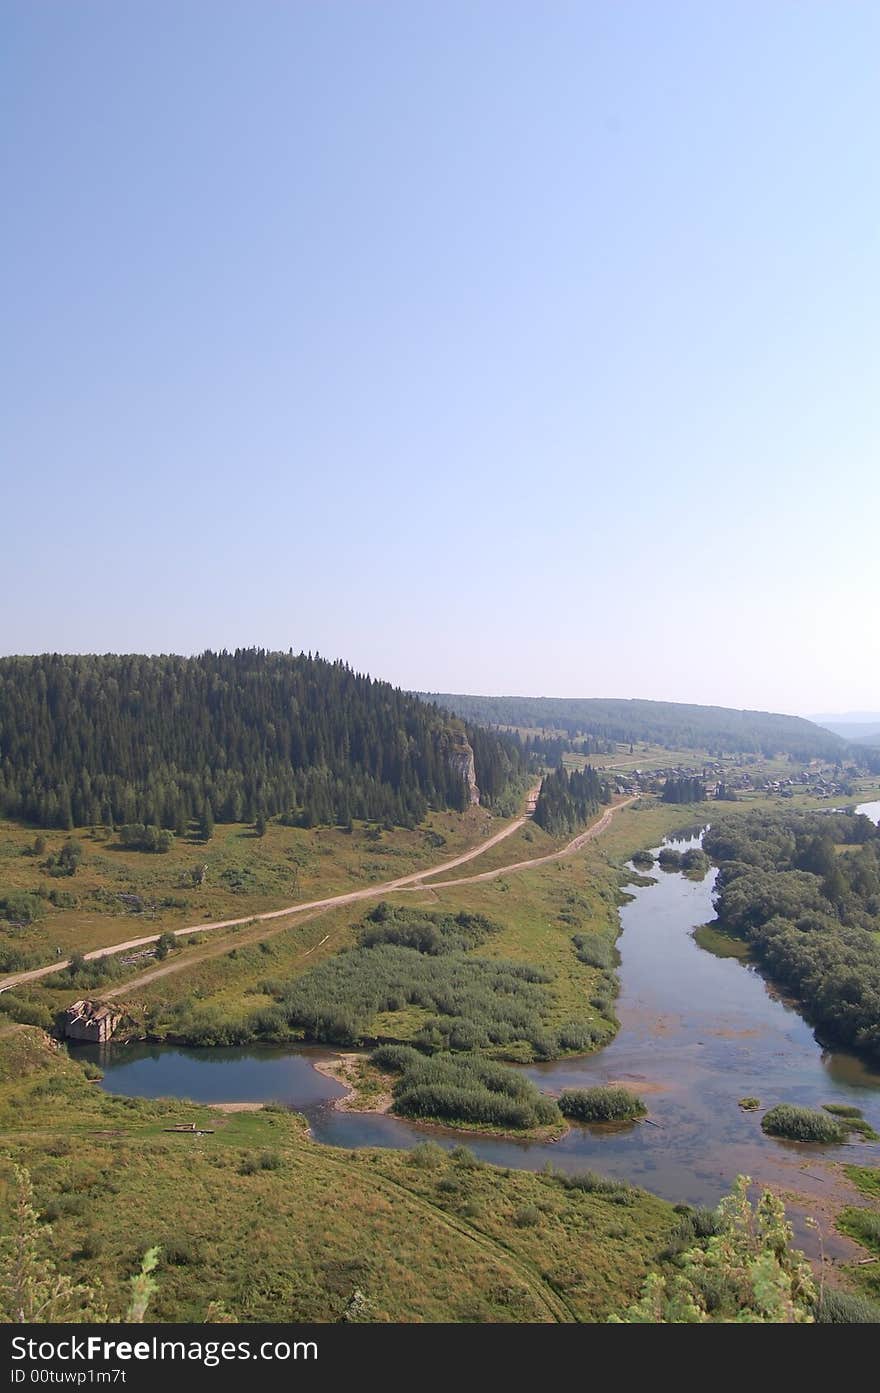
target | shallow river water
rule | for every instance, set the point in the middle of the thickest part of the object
(697, 1033)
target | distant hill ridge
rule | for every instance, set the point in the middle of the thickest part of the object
(674, 724)
(863, 727)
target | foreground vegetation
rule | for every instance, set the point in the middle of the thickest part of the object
(746, 1273)
(245, 1219)
(253, 1215)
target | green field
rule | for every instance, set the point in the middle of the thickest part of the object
(245, 874)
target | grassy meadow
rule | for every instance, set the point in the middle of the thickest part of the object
(275, 1227)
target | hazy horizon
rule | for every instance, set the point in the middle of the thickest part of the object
(494, 348)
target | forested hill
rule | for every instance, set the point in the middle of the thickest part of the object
(122, 739)
(668, 723)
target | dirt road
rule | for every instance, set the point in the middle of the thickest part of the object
(415, 880)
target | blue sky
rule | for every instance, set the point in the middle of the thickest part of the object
(493, 347)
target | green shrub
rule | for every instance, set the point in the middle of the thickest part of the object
(601, 1105)
(63, 899)
(182, 1252)
(16, 960)
(465, 1158)
(574, 1037)
(852, 1120)
(471, 1089)
(593, 950)
(695, 862)
(527, 1217)
(427, 933)
(68, 860)
(843, 1308)
(19, 907)
(63, 1207)
(748, 1271)
(863, 1225)
(140, 836)
(669, 859)
(395, 1058)
(427, 1155)
(801, 1124)
(591, 1183)
(91, 1247)
(26, 1012)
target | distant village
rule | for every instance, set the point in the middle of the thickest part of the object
(724, 779)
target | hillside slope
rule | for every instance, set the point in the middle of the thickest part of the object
(123, 739)
(674, 724)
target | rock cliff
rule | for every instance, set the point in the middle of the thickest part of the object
(461, 757)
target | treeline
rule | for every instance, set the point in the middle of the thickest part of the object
(675, 725)
(684, 790)
(567, 800)
(549, 749)
(809, 912)
(158, 741)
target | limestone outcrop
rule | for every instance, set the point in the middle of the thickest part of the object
(461, 757)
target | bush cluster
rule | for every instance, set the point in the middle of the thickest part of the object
(601, 1105)
(144, 836)
(801, 1124)
(456, 1088)
(808, 911)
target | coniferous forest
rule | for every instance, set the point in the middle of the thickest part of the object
(675, 725)
(684, 790)
(232, 737)
(567, 800)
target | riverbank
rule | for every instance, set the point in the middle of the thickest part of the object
(367, 1090)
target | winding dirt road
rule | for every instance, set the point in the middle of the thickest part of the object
(416, 880)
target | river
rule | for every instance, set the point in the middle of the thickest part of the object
(697, 1033)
